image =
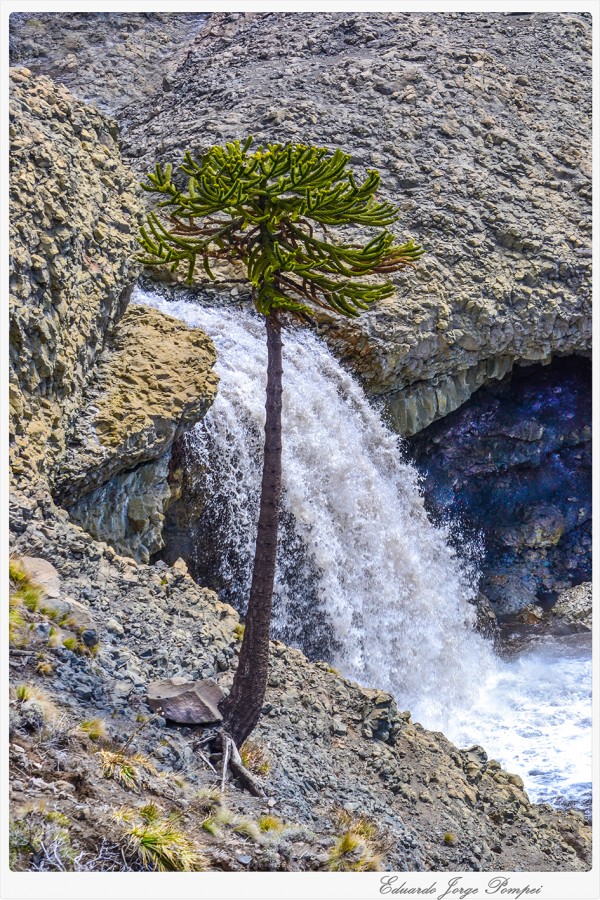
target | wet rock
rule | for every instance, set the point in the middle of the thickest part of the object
(513, 468)
(574, 607)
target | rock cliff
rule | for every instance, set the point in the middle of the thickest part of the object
(483, 144)
(482, 139)
(74, 213)
(99, 390)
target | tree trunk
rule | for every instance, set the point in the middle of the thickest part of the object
(242, 707)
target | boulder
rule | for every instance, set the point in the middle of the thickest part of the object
(43, 574)
(574, 607)
(186, 702)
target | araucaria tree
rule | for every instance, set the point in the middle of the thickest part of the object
(271, 210)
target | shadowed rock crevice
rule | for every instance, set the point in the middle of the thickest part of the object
(514, 464)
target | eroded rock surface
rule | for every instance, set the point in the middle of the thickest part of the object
(153, 382)
(99, 390)
(74, 217)
(480, 126)
(108, 59)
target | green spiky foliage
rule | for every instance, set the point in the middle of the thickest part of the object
(270, 209)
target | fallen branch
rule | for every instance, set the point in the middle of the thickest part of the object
(233, 761)
(246, 777)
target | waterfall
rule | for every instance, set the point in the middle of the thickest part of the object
(364, 579)
(361, 568)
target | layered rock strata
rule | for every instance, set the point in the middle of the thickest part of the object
(99, 391)
(483, 144)
(74, 215)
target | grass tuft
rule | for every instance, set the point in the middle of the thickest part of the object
(16, 623)
(246, 827)
(270, 823)
(211, 825)
(208, 799)
(352, 854)
(95, 729)
(157, 842)
(255, 758)
(44, 667)
(126, 769)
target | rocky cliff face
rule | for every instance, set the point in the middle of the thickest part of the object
(514, 466)
(107, 59)
(74, 214)
(483, 144)
(99, 390)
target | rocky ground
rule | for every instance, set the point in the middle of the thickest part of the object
(335, 758)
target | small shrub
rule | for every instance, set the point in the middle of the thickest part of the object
(449, 839)
(238, 631)
(255, 758)
(270, 823)
(39, 840)
(126, 769)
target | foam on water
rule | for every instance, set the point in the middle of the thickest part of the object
(388, 595)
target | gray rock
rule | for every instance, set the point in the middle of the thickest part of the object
(186, 702)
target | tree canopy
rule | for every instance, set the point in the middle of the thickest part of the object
(271, 209)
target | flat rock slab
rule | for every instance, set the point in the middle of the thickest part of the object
(186, 702)
(43, 574)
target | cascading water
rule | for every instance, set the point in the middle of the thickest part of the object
(363, 576)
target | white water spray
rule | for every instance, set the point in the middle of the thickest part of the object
(388, 595)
